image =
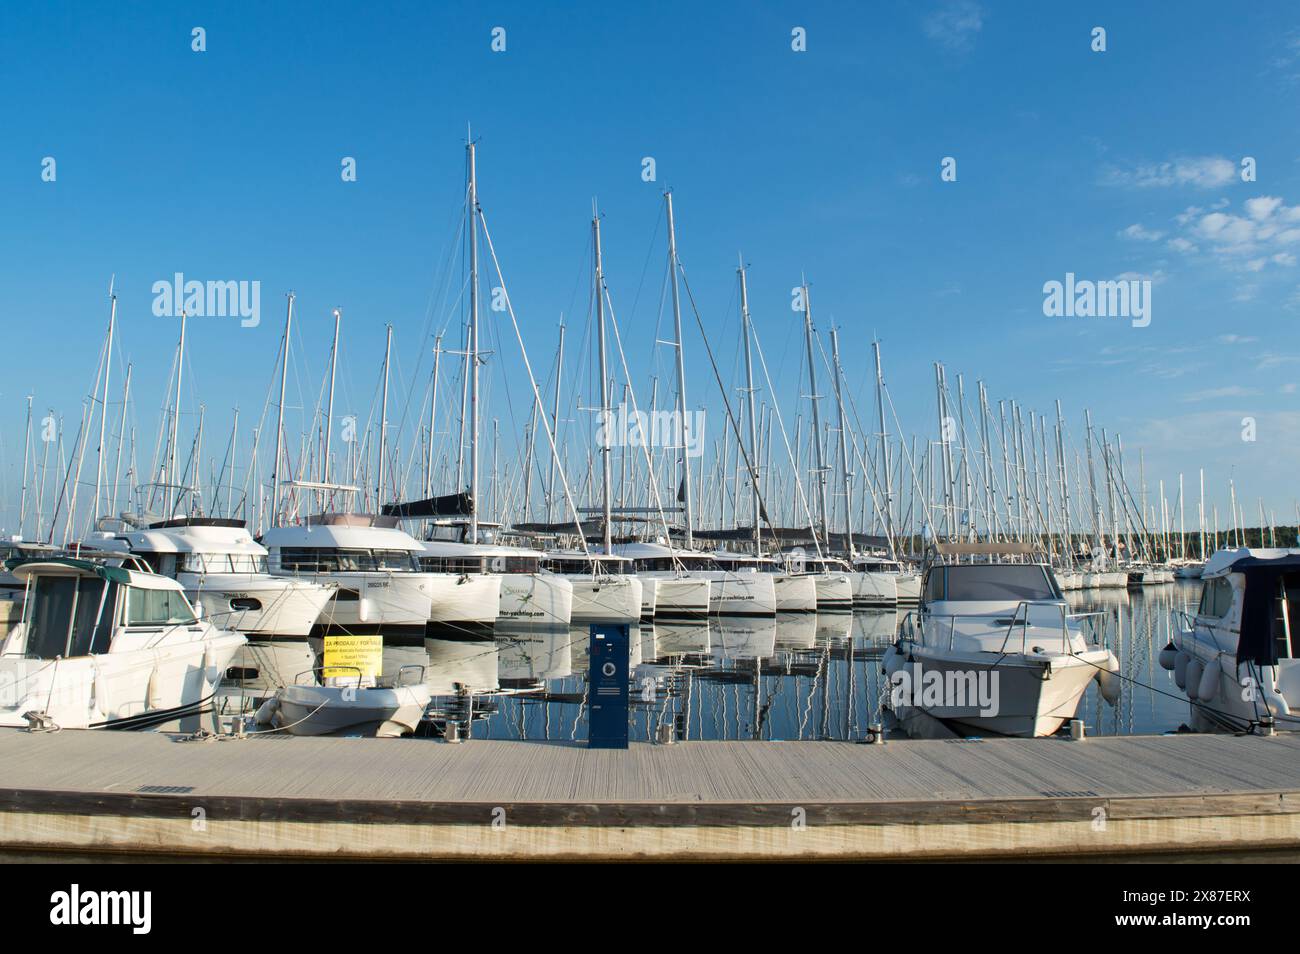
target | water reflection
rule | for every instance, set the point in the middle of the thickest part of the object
(794, 677)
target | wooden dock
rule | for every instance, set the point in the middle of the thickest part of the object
(407, 799)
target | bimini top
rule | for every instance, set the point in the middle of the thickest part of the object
(1244, 558)
(67, 566)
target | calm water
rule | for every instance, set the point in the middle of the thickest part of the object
(790, 678)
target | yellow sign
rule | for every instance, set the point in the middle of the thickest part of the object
(345, 655)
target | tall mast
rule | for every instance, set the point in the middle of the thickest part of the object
(884, 448)
(605, 443)
(844, 448)
(121, 435)
(473, 343)
(176, 415)
(103, 402)
(753, 424)
(329, 407)
(1067, 541)
(279, 424)
(681, 374)
(555, 418)
(815, 432)
(433, 417)
(1202, 515)
(27, 447)
(383, 421)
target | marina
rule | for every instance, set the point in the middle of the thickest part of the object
(621, 435)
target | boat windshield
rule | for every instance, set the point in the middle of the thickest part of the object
(69, 616)
(989, 583)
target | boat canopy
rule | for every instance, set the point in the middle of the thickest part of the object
(1266, 572)
(68, 566)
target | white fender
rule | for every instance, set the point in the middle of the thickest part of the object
(210, 673)
(1180, 670)
(1108, 680)
(267, 710)
(1208, 686)
(1167, 657)
(1193, 678)
(364, 607)
(153, 693)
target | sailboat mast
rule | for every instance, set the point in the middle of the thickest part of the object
(433, 416)
(884, 449)
(103, 403)
(473, 343)
(555, 419)
(844, 448)
(687, 502)
(27, 448)
(383, 421)
(279, 424)
(606, 473)
(176, 414)
(815, 432)
(329, 406)
(121, 436)
(753, 424)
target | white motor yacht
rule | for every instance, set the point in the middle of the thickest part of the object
(1235, 658)
(224, 573)
(993, 648)
(103, 646)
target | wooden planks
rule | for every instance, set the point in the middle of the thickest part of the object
(283, 796)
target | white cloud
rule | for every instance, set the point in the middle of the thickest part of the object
(1204, 172)
(955, 24)
(1140, 234)
(1237, 339)
(1253, 239)
(1214, 394)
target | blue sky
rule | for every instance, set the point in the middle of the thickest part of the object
(226, 165)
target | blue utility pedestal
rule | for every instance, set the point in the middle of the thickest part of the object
(607, 680)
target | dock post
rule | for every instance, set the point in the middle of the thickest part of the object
(607, 681)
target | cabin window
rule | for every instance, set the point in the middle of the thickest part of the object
(326, 560)
(157, 608)
(245, 603)
(50, 617)
(1216, 598)
(247, 563)
(86, 635)
(655, 565)
(63, 615)
(985, 582)
(459, 565)
(1286, 616)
